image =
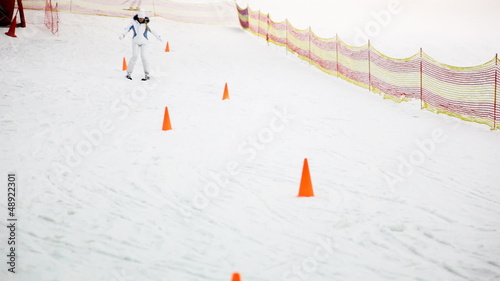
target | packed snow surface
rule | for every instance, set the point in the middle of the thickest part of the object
(104, 194)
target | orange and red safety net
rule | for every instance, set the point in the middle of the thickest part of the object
(469, 93)
(222, 12)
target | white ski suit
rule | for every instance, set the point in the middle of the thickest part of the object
(140, 40)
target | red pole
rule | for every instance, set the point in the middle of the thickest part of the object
(21, 13)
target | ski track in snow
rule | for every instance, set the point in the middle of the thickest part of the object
(142, 204)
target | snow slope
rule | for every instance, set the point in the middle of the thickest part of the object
(105, 194)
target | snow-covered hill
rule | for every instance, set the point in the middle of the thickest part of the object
(105, 194)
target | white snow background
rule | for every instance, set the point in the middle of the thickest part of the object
(104, 194)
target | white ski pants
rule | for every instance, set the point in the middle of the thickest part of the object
(143, 48)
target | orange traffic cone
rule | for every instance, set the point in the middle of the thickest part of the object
(226, 93)
(124, 67)
(236, 277)
(167, 48)
(12, 29)
(166, 121)
(306, 189)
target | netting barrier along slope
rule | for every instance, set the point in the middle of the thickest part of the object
(468, 93)
(211, 12)
(51, 16)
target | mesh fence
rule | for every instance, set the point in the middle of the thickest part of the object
(221, 12)
(398, 78)
(52, 16)
(465, 92)
(469, 93)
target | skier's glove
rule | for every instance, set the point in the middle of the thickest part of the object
(122, 36)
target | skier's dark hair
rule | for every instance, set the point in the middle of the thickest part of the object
(146, 19)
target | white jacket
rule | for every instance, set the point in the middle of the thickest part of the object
(140, 31)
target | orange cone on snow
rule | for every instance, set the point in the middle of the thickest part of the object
(12, 28)
(226, 93)
(166, 121)
(236, 277)
(124, 67)
(306, 189)
(167, 48)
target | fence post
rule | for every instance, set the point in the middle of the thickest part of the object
(496, 92)
(337, 52)
(421, 81)
(258, 25)
(21, 13)
(268, 27)
(286, 36)
(309, 36)
(369, 68)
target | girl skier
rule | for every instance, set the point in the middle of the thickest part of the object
(139, 25)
